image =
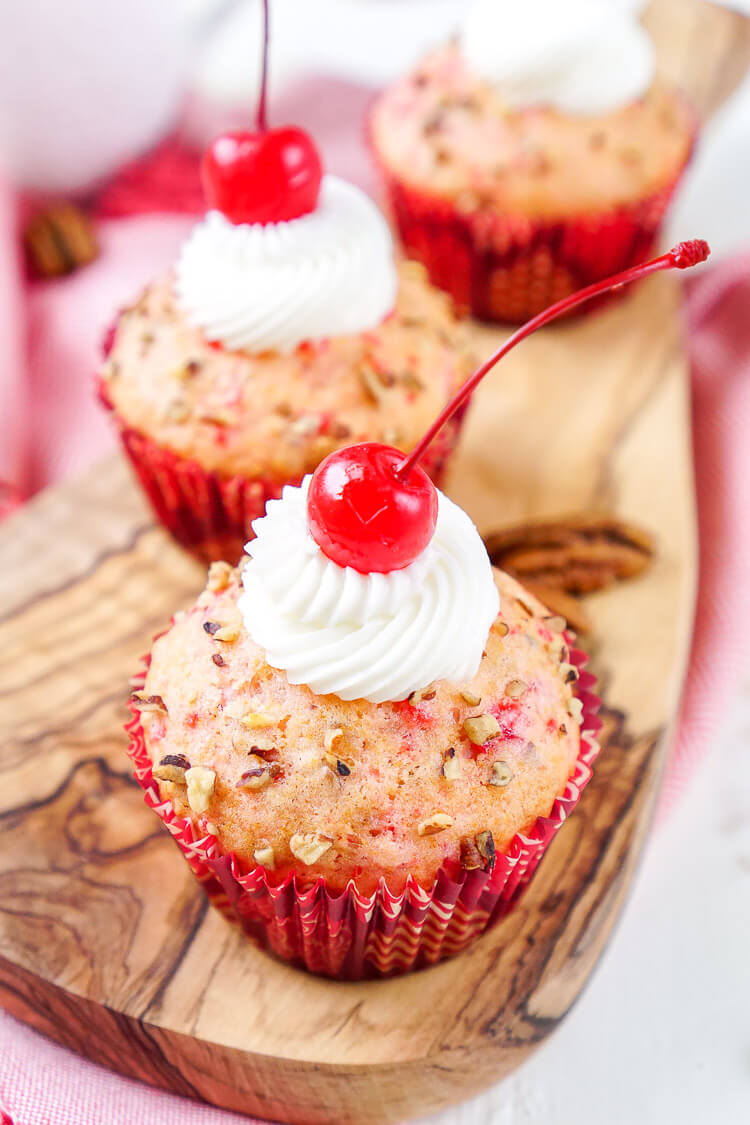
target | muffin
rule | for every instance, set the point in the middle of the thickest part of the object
(535, 155)
(363, 770)
(270, 345)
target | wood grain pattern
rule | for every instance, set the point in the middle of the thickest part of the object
(105, 942)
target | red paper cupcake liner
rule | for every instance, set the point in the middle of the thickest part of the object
(509, 268)
(352, 936)
(211, 515)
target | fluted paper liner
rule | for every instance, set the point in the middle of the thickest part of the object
(508, 267)
(350, 936)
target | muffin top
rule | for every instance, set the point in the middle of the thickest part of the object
(450, 134)
(315, 785)
(276, 415)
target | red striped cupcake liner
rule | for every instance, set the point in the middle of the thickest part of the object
(508, 268)
(211, 515)
(350, 935)
(208, 514)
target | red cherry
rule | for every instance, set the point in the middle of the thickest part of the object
(265, 177)
(362, 515)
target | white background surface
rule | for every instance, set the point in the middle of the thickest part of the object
(662, 1032)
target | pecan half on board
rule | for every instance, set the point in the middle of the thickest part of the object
(572, 555)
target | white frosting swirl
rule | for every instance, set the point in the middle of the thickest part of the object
(367, 636)
(581, 56)
(259, 287)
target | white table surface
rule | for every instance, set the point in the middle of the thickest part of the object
(661, 1034)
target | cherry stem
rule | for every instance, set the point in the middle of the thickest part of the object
(262, 119)
(682, 256)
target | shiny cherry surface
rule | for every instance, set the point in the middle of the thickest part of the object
(264, 177)
(362, 515)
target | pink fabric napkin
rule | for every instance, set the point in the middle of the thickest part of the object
(718, 333)
(43, 1084)
(50, 428)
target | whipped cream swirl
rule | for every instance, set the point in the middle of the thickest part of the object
(260, 287)
(581, 57)
(367, 636)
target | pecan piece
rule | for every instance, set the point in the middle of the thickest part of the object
(438, 822)
(412, 382)
(481, 728)
(305, 426)
(371, 384)
(451, 765)
(577, 553)
(257, 775)
(331, 737)
(148, 702)
(514, 689)
(342, 767)
(501, 775)
(575, 708)
(219, 574)
(258, 720)
(172, 768)
(478, 852)
(569, 673)
(309, 846)
(227, 633)
(471, 860)
(59, 240)
(422, 695)
(486, 845)
(556, 623)
(264, 855)
(200, 787)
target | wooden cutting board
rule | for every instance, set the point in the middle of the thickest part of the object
(107, 945)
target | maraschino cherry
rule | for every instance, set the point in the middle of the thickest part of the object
(269, 176)
(373, 508)
(362, 516)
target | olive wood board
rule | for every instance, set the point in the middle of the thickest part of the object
(106, 943)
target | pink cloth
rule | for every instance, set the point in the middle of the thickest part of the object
(50, 428)
(43, 1084)
(66, 321)
(718, 332)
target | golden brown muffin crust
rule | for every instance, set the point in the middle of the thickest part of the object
(319, 786)
(276, 415)
(449, 134)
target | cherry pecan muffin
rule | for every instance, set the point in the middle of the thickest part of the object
(381, 755)
(270, 345)
(534, 155)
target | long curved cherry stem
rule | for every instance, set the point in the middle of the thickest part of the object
(262, 118)
(681, 256)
